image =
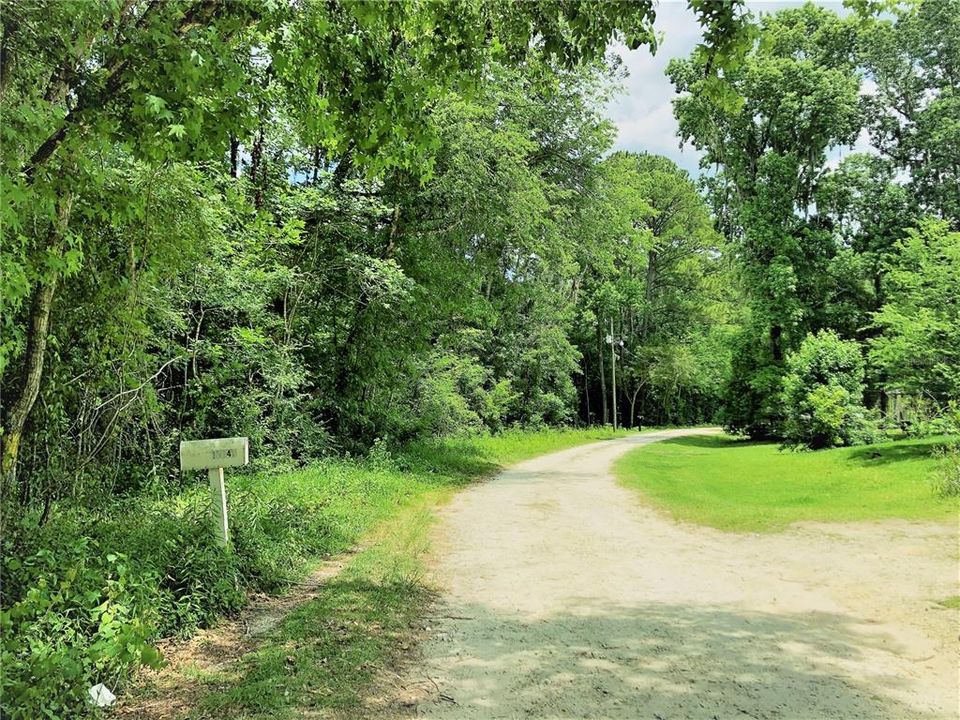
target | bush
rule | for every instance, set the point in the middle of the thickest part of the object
(751, 397)
(947, 482)
(948, 471)
(83, 616)
(823, 394)
(87, 594)
(927, 418)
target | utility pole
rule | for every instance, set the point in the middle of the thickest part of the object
(613, 372)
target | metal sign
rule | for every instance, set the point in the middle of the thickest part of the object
(214, 455)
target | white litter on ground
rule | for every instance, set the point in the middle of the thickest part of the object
(101, 696)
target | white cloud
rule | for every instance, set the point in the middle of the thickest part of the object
(644, 114)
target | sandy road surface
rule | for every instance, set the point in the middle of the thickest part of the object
(565, 598)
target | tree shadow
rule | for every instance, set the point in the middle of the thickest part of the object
(463, 462)
(320, 657)
(655, 661)
(712, 442)
(588, 660)
(868, 455)
(871, 455)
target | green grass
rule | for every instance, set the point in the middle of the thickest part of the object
(744, 486)
(951, 603)
(478, 456)
(323, 656)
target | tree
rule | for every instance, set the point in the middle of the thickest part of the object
(653, 266)
(914, 108)
(192, 80)
(794, 96)
(153, 78)
(823, 393)
(919, 347)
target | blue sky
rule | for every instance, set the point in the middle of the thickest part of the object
(643, 113)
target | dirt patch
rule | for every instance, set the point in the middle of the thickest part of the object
(173, 691)
(563, 596)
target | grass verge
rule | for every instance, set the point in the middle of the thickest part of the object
(737, 485)
(322, 657)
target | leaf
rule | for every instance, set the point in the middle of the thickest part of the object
(155, 105)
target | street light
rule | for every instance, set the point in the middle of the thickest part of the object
(613, 342)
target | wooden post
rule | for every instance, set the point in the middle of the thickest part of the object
(219, 494)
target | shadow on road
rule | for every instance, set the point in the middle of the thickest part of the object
(659, 661)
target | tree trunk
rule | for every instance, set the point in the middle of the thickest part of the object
(234, 157)
(37, 334)
(776, 347)
(257, 164)
(649, 292)
(586, 387)
(633, 402)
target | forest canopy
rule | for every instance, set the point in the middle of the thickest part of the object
(315, 224)
(321, 224)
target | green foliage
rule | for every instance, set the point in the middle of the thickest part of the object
(913, 109)
(819, 247)
(797, 92)
(208, 232)
(79, 616)
(919, 348)
(947, 482)
(823, 394)
(925, 418)
(656, 273)
(751, 396)
(95, 590)
(338, 227)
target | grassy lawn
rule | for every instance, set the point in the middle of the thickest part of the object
(744, 486)
(323, 656)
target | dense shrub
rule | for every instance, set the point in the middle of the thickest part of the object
(823, 394)
(948, 472)
(927, 418)
(751, 397)
(86, 594)
(81, 616)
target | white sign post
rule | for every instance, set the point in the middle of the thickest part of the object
(214, 455)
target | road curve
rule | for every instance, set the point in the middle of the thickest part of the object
(564, 597)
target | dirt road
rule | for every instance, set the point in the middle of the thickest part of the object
(564, 597)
